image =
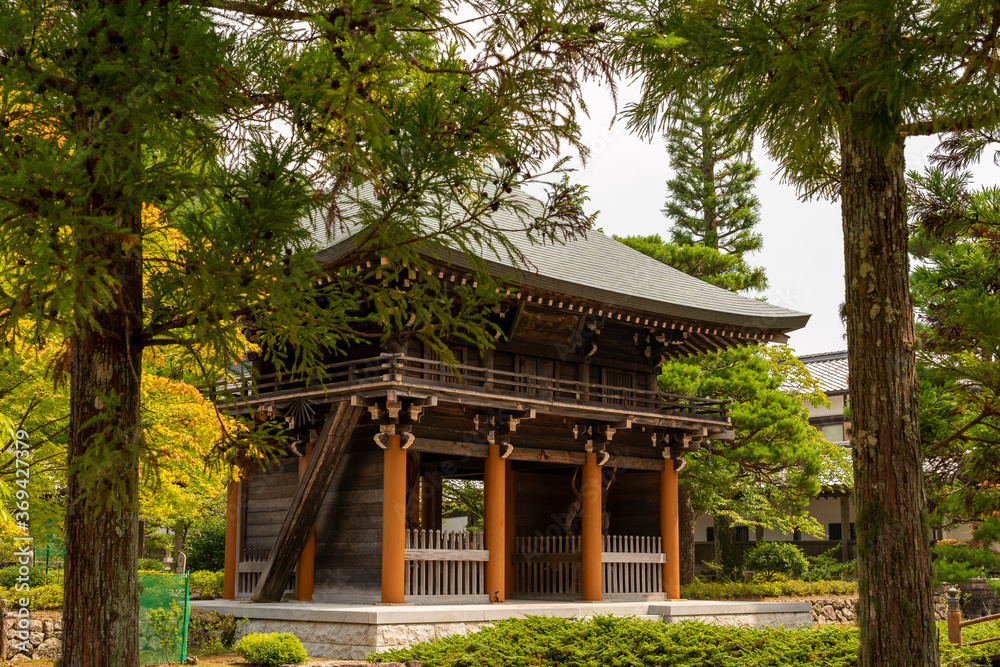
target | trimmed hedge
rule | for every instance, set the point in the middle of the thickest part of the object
(757, 590)
(204, 583)
(9, 575)
(776, 557)
(273, 649)
(554, 642)
(43, 598)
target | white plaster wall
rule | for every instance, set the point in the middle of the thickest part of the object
(824, 510)
(836, 408)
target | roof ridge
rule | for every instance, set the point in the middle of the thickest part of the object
(823, 356)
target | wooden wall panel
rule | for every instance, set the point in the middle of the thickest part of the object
(349, 528)
(634, 504)
(268, 496)
(543, 501)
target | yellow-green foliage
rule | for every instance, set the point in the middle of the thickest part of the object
(41, 598)
(604, 640)
(756, 590)
(155, 573)
(205, 583)
(276, 648)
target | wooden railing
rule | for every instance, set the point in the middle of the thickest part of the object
(445, 566)
(248, 572)
(955, 622)
(549, 566)
(399, 369)
(633, 566)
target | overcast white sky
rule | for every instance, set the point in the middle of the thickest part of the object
(803, 242)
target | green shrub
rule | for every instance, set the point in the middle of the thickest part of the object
(206, 584)
(605, 640)
(756, 590)
(780, 557)
(276, 648)
(206, 545)
(827, 567)
(154, 573)
(8, 576)
(42, 598)
(55, 577)
(150, 564)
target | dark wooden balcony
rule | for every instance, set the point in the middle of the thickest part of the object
(478, 386)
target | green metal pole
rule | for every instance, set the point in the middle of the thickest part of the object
(187, 617)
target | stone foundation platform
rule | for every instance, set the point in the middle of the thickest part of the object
(353, 631)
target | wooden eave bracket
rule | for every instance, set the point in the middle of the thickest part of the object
(402, 430)
(670, 454)
(395, 415)
(500, 425)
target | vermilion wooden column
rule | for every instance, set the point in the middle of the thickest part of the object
(232, 539)
(511, 520)
(393, 521)
(592, 585)
(307, 559)
(496, 532)
(670, 531)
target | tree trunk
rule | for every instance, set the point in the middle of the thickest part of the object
(686, 528)
(725, 546)
(895, 610)
(101, 603)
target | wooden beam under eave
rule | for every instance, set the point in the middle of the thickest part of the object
(554, 456)
(331, 444)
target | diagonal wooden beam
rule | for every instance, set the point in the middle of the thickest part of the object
(330, 447)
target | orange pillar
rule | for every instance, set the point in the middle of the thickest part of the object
(496, 531)
(593, 570)
(393, 521)
(670, 531)
(232, 539)
(510, 518)
(307, 559)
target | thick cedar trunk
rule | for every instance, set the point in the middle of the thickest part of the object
(725, 546)
(895, 610)
(101, 603)
(685, 517)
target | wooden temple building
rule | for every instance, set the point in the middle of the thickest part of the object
(563, 422)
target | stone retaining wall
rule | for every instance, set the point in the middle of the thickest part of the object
(842, 611)
(45, 637)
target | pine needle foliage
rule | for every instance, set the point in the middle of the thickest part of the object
(711, 200)
(832, 90)
(626, 642)
(956, 292)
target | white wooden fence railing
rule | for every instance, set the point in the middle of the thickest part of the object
(550, 566)
(547, 566)
(248, 573)
(445, 566)
(633, 566)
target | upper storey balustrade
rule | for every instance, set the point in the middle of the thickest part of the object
(475, 385)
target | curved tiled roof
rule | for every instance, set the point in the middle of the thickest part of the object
(830, 368)
(599, 268)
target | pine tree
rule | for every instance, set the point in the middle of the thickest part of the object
(711, 200)
(833, 90)
(107, 106)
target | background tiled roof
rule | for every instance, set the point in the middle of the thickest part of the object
(830, 368)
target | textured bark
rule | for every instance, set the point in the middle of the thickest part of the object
(685, 516)
(895, 610)
(101, 603)
(725, 546)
